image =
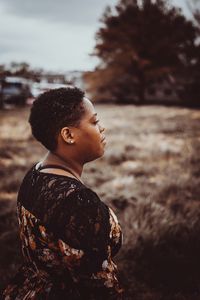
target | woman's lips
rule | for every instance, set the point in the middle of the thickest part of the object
(103, 140)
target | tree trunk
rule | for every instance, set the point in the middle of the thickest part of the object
(1, 98)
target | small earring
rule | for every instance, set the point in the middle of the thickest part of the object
(71, 141)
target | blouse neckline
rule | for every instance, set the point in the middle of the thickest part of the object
(53, 174)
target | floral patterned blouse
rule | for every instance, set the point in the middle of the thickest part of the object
(69, 237)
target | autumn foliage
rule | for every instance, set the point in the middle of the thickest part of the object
(139, 43)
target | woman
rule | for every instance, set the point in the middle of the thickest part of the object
(68, 234)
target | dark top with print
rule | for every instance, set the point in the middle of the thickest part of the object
(69, 237)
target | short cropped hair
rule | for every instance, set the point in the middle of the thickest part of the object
(53, 110)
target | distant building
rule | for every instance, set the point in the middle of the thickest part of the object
(76, 78)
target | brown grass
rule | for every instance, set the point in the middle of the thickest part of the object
(150, 176)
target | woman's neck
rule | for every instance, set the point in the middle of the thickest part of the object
(55, 158)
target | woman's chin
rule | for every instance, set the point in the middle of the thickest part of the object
(102, 150)
(100, 153)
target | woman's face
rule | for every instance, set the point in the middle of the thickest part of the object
(89, 136)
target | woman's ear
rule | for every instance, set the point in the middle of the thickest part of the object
(67, 135)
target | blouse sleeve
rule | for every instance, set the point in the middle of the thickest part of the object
(83, 223)
(88, 228)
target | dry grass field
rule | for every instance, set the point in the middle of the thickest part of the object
(149, 175)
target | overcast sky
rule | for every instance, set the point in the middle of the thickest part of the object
(55, 35)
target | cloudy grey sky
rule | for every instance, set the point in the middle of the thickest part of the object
(55, 35)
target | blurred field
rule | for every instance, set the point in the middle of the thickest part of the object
(150, 176)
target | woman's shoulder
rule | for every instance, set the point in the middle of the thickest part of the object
(65, 188)
(84, 192)
(40, 192)
(86, 199)
(51, 181)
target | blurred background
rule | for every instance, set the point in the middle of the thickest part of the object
(139, 61)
